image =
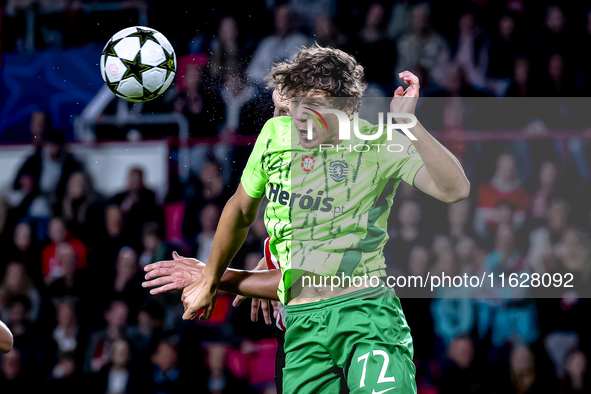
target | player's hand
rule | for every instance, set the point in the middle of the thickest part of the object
(406, 100)
(197, 296)
(257, 304)
(176, 274)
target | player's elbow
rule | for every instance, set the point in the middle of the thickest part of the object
(461, 192)
(6, 343)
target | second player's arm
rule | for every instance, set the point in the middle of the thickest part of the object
(253, 284)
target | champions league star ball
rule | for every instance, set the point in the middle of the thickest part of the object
(138, 64)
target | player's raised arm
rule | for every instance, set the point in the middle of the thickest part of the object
(442, 175)
(5, 339)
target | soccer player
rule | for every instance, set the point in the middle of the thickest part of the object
(345, 339)
(5, 339)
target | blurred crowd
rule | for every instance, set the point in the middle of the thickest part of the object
(517, 48)
(72, 259)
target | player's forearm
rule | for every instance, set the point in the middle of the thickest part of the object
(443, 167)
(253, 284)
(5, 339)
(229, 237)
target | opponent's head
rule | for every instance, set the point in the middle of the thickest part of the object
(312, 79)
(281, 103)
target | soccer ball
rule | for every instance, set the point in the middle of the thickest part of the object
(138, 64)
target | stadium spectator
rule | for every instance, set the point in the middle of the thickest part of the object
(546, 191)
(66, 376)
(284, 43)
(154, 248)
(17, 282)
(137, 204)
(504, 49)
(164, 372)
(458, 217)
(327, 34)
(127, 281)
(17, 34)
(147, 333)
(512, 318)
(23, 330)
(72, 281)
(460, 374)
(406, 234)
(573, 252)
(453, 309)
(51, 166)
(470, 50)
(521, 84)
(422, 45)
(117, 377)
(229, 48)
(506, 257)
(12, 377)
(523, 375)
(50, 257)
(200, 103)
(208, 219)
(236, 94)
(469, 256)
(370, 40)
(65, 335)
(540, 254)
(113, 239)
(400, 19)
(558, 82)
(100, 342)
(210, 190)
(504, 186)
(553, 37)
(577, 379)
(80, 208)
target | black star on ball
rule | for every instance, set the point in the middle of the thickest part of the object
(168, 64)
(135, 68)
(110, 48)
(113, 86)
(144, 35)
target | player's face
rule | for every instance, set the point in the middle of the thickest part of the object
(303, 109)
(281, 105)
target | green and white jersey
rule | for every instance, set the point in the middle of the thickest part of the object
(328, 208)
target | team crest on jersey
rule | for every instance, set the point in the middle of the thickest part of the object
(338, 170)
(308, 163)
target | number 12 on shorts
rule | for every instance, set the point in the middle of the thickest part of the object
(382, 378)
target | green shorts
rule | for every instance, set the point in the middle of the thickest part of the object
(358, 344)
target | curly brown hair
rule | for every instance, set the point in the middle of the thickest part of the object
(322, 69)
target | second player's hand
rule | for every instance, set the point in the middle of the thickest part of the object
(257, 304)
(176, 274)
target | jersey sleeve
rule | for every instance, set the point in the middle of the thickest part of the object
(399, 159)
(254, 178)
